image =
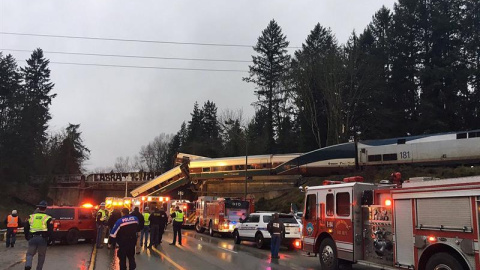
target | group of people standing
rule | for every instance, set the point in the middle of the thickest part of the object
(37, 229)
(131, 231)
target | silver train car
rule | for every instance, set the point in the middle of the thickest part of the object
(435, 149)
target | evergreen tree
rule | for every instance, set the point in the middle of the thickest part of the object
(269, 68)
(211, 130)
(72, 152)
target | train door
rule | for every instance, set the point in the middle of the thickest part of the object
(311, 221)
(339, 203)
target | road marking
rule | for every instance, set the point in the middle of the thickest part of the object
(227, 249)
(168, 259)
(93, 258)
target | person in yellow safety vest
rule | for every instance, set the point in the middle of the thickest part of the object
(146, 227)
(13, 222)
(177, 225)
(101, 220)
(38, 229)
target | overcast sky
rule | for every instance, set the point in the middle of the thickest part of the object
(121, 109)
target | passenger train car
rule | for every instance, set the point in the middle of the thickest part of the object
(434, 149)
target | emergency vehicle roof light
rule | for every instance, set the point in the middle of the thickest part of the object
(166, 199)
(87, 205)
(160, 199)
(149, 199)
(143, 198)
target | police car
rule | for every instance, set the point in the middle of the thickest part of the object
(254, 229)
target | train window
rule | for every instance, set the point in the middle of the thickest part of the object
(401, 141)
(239, 167)
(206, 169)
(473, 134)
(311, 210)
(330, 205)
(374, 158)
(390, 157)
(343, 204)
(461, 135)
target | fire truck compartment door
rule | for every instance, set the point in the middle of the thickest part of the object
(404, 232)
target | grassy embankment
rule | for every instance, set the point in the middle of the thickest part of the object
(371, 175)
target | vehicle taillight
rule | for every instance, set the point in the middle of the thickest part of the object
(225, 225)
(56, 225)
(297, 243)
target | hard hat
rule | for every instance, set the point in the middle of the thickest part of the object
(102, 204)
(14, 212)
(42, 204)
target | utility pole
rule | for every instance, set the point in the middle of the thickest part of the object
(246, 164)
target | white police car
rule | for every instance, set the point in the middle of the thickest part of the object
(254, 229)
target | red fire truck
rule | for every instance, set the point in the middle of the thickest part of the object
(219, 214)
(422, 224)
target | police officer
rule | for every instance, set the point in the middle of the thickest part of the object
(37, 231)
(13, 223)
(276, 228)
(177, 217)
(146, 228)
(125, 233)
(101, 219)
(158, 221)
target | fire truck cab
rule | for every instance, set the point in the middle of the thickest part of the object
(425, 224)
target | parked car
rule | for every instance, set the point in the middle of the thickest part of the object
(71, 223)
(254, 229)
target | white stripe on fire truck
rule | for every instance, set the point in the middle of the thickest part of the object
(344, 246)
(309, 240)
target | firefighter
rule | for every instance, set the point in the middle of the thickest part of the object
(38, 229)
(177, 217)
(276, 228)
(158, 221)
(13, 223)
(146, 228)
(101, 219)
(141, 224)
(125, 233)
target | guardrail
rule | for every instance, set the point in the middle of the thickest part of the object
(3, 233)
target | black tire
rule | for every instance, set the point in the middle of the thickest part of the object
(443, 261)
(211, 232)
(259, 240)
(72, 237)
(328, 255)
(236, 238)
(198, 227)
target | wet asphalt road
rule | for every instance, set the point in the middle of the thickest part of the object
(199, 251)
(59, 257)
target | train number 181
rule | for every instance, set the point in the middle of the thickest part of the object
(405, 155)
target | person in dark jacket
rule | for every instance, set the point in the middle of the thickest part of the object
(125, 233)
(13, 222)
(141, 224)
(177, 217)
(114, 216)
(158, 222)
(276, 228)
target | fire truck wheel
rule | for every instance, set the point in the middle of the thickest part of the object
(328, 255)
(72, 236)
(210, 229)
(236, 238)
(443, 261)
(259, 240)
(199, 228)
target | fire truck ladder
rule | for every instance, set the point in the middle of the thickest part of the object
(166, 182)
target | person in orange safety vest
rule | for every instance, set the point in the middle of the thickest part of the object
(13, 222)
